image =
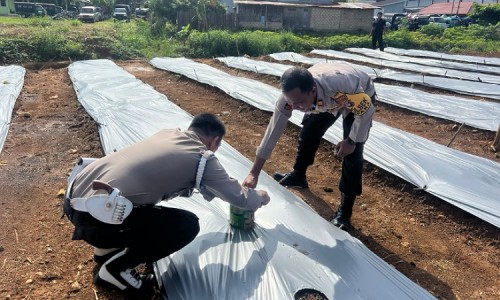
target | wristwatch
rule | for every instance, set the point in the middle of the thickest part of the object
(350, 141)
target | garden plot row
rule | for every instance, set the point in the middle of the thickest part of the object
(11, 83)
(465, 87)
(413, 67)
(275, 260)
(491, 61)
(479, 68)
(478, 114)
(466, 181)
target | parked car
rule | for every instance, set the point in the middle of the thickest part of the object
(438, 21)
(51, 9)
(27, 9)
(415, 22)
(88, 14)
(127, 7)
(142, 13)
(120, 14)
(394, 20)
(454, 21)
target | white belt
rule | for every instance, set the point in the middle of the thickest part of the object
(110, 209)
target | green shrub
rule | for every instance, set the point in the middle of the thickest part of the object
(434, 30)
(15, 51)
(40, 21)
(48, 44)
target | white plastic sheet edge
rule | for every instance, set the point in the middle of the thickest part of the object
(11, 83)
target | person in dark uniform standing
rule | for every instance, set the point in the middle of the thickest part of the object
(323, 92)
(112, 200)
(377, 33)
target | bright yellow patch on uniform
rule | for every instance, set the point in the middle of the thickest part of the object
(358, 103)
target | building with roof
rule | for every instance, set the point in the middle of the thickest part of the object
(323, 17)
(417, 5)
(451, 8)
(7, 7)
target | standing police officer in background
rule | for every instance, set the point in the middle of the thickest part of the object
(324, 92)
(377, 33)
(111, 201)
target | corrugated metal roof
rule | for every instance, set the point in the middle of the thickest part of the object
(455, 8)
(342, 5)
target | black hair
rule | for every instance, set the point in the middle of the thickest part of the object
(297, 77)
(208, 125)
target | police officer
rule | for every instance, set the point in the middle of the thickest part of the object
(377, 32)
(324, 92)
(126, 228)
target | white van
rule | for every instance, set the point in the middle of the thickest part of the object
(89, 14)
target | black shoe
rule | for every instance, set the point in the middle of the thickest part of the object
(103, 255)
(291, 179)
(342, 224)
(342, 218)
(126, 280)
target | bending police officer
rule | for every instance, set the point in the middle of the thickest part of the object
(324, 92)
(112, 201)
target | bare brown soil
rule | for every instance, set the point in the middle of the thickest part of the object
(449, 252)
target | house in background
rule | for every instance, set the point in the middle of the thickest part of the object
(451, 8)
(416, 5)
(7, 7)
(323, 17)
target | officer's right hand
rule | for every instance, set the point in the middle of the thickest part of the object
(265, 197)
(250, 181)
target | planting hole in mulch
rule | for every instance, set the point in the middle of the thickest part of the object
(309, 294)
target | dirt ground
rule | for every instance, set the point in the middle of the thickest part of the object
(449, 252)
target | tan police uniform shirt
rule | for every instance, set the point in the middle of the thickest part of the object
(162, 167)
(340, 89)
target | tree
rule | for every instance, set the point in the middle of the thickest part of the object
(486, 14)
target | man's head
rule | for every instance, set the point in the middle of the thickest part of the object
(298, 87)
(210, 130)
(379, 15)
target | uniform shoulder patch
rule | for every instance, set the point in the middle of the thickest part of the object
(358, 103)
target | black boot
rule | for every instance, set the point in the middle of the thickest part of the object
(342, 218)
(292, 179)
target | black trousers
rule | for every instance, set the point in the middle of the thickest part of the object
(314, 127)
(378, 38)
(150, 232)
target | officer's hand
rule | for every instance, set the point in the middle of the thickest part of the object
(250, 181)
(344, 148)
(264, 195)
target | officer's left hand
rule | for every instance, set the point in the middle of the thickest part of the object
(344, 148)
